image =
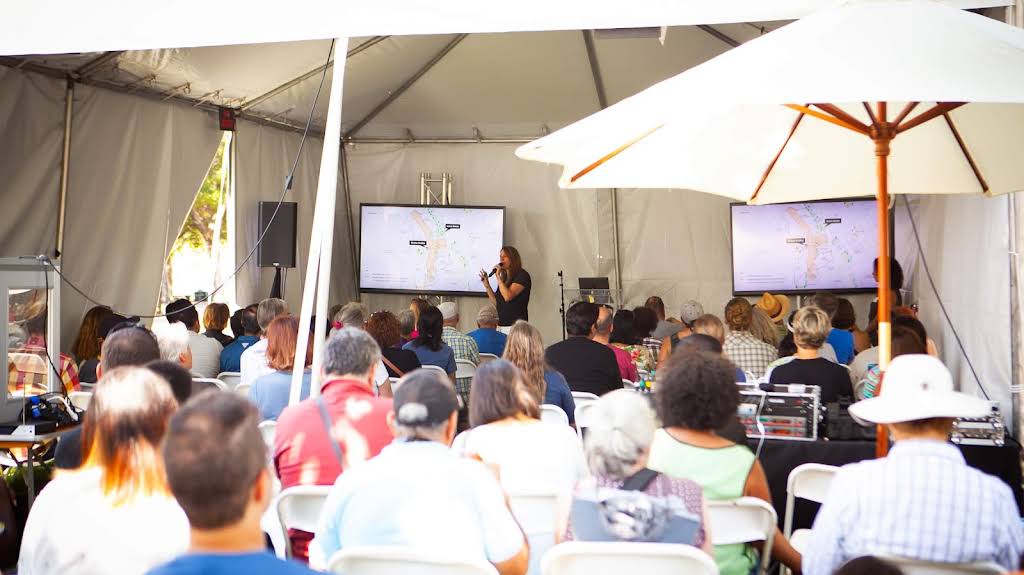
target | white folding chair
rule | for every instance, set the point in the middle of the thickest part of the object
(743, 520)
(580, 558)
(537, 514)
(808, 481)
(208, 381)
(485, 357)
(553, 414)
(436, 368)
(230, 378)
(268, 428)
(464, 368)
(389, 560)
(80, 399)
(584, 416)
(243, 389)
(299, 508)
(579, 397)
(626, 384)
(918, 567)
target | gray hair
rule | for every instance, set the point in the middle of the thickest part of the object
(811, 326)
(353, 314)
(406, 322)
(172, 340)
(269, 309)
(350, 351)
(624, 426)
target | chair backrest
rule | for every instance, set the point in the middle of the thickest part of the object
(918, 567)
(464, 368)
(485, 357)
(583, 396)
(80, 399)
(230, 378)
(743, 520)
(584, 416)
(808, 481)
(537, 514)
(626, 384)
(435, 368)
(268, 428)
(388, 560)
(580, 558)
(553, 414)
(207, 382)
(299, 508)
(243, 388)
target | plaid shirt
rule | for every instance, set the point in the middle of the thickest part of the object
(29, 371)
(464, 348)
(921, 502)
(749, 353)
(653, 345)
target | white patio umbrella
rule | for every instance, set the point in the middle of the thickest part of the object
(855, 100)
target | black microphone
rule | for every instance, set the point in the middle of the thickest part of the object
(494, 271)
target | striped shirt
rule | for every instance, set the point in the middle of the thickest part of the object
(921, 502)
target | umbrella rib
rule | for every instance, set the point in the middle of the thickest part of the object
(827, 118)
(966, 152)
(905, 112)
(871, 115)
(930, 114)
(844, 116)
(613, 153)
(771, 166)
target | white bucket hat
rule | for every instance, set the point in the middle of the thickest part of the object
(918, 387)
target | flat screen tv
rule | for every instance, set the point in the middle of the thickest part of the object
(804, 247)
(436, 250)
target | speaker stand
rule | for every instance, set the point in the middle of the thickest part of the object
(277, 289)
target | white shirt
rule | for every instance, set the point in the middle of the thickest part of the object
(205, 354)
(253, 363)
(74, 528)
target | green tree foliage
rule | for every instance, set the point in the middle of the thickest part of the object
(198, 229)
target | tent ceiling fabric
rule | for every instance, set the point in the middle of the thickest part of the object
(101, 25)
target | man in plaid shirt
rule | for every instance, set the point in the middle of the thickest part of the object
(741, 347)
(464, 346)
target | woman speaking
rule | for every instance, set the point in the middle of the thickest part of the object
(512, 297)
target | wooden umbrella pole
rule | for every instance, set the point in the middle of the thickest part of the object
(882, 138)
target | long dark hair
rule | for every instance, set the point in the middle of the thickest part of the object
(429, 327)
(624, 328)
(500, 390)
(515, 264)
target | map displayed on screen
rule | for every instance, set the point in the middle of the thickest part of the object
(804, 247)
(429, 249)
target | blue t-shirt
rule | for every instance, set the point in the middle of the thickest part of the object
(271, 392)
(489, 340)
(260, 563)
(740, 376)
(231, 357)
(443, 358)
(558, 393)
(842, 342)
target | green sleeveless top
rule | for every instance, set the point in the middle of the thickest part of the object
(721, 472)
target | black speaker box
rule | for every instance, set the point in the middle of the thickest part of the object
(278, 246)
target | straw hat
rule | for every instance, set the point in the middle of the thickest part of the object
(916, 387)
(776, 306)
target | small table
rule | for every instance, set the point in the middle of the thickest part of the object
(9, 442)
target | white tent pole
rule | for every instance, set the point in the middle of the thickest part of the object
(318, 266)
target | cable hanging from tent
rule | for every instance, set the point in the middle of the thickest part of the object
(287, 186)
(942, 306)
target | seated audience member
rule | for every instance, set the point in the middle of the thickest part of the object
(707, 324)
(776, 307)
(114, 514)
(586, 364)
(86, 348)
(525, 350)
(895, 285)
(846, 319)
(663, 328)
(246, 334)
(762, 327)
(616, 449)
(406, 325)
(710, 324)
(840, 340)
(689, 313)
(696, 396)
(603, 333)
(698, 342)
(29, 372)
(176, 376)
(428, 345)
(304, 452)
(933, 507)
(215, 319)
(421, 495)
(332, 312)
(810, 328)
(253, 361)
(205, 350)
(384, 328)
(355, 314)
(507, 433)
(417, 306)
(464, 346)
(123, 347)
(624, 336)
(868, 565)
(271, 392)
(486, 335)
(901, 317)
(905, 341)
(646, 320)
(235, 322)
(224, 498)
(174, 344)
(741, 347)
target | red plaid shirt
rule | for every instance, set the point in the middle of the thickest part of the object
(28, 369)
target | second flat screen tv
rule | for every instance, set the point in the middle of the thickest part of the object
(437, 250)
(804, 247)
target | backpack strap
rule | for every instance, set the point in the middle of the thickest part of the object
(325, 418)
(640, 480)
